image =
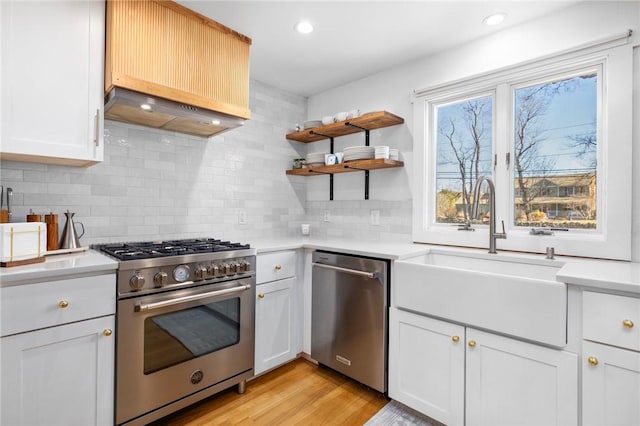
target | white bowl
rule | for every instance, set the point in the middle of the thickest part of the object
(327, 119)
(312, 123)
(341, 116)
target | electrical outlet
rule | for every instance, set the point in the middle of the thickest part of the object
(327, 216)
(375, 217)
(242, 217)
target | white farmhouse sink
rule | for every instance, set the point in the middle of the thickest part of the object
(508, 293)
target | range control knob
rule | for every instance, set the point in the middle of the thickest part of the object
(214, 271)
(246, 266)
(233, 268)
(201, 272)
(160, 279)
(224, 269)
(136, 282)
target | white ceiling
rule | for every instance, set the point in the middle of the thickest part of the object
(354, 39)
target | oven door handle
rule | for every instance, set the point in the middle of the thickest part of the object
(371, 275)
(169, 302)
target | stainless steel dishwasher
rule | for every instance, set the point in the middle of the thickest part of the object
(349, 308)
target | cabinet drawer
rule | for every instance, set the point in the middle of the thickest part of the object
(611, 319)
(45, 304)
(275, 266)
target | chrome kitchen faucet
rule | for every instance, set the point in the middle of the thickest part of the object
(493, 235)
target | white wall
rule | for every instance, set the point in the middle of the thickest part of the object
(392, 90)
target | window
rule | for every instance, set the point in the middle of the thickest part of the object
(554, 136)
(463, 152)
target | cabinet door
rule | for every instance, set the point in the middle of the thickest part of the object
(275, 342)
(52, 81)
(62, 375)
(515, 383)
(611, 387)
(426, 365)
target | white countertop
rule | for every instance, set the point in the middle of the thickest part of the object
(605, 275)
(392, 251)
(58, 266)
(596, 274)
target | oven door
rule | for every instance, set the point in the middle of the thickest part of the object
(177, 343)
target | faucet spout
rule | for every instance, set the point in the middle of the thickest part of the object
(493, 235)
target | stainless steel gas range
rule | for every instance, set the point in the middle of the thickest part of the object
(185, 323)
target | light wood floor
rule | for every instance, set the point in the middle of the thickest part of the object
(295, 394)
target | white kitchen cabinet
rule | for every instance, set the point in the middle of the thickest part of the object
(59, 375)
(611, 359)
(277, 319)
(459, 375)
(511, 382)
(52, 81)
(610, 385)
(426, 371)
(57, 349)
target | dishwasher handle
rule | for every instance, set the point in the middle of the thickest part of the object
(371, 275)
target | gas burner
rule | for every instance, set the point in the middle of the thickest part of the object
(156, 249)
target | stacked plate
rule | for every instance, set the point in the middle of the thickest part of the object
(315, 159)
(352, 153)
(382, 152)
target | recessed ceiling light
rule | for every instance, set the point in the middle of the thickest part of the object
(304, 27)
(145, 107)
(494, 19)
(215, 122)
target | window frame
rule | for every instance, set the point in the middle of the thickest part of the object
(611, 238)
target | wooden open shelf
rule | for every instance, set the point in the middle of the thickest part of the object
(369, 121)
(349, 167)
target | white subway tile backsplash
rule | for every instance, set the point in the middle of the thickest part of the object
(155, 184)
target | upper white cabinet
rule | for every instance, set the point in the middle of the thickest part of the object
(52, 81)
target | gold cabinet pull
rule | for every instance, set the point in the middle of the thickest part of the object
(261, 296)
(627, 323)
(456, 339)
(472, 343)
(278, 267)
(593, 360)
(63, 304)
(107, 332)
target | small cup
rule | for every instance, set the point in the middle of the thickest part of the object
(329, 159)
(353, 113)
(305, 227)
(341, 116)
(339, 157)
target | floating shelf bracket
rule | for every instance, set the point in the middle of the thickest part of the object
(366, 172)
(331, 151)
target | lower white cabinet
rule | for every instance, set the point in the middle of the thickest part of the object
(59, 375)
(511, 382)
(610, 359)
(275, 339)
(426, 368)
(610, 385)
(459, 375)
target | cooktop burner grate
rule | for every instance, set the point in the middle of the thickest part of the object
(154, 249)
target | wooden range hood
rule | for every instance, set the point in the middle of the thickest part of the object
(190, 71)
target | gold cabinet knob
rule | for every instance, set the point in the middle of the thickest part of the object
(593, 360)
(278, 267)
(107, 332)
(63, 304)
(455, 338)
(627, 323)
(472, 343)
(261, 296)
